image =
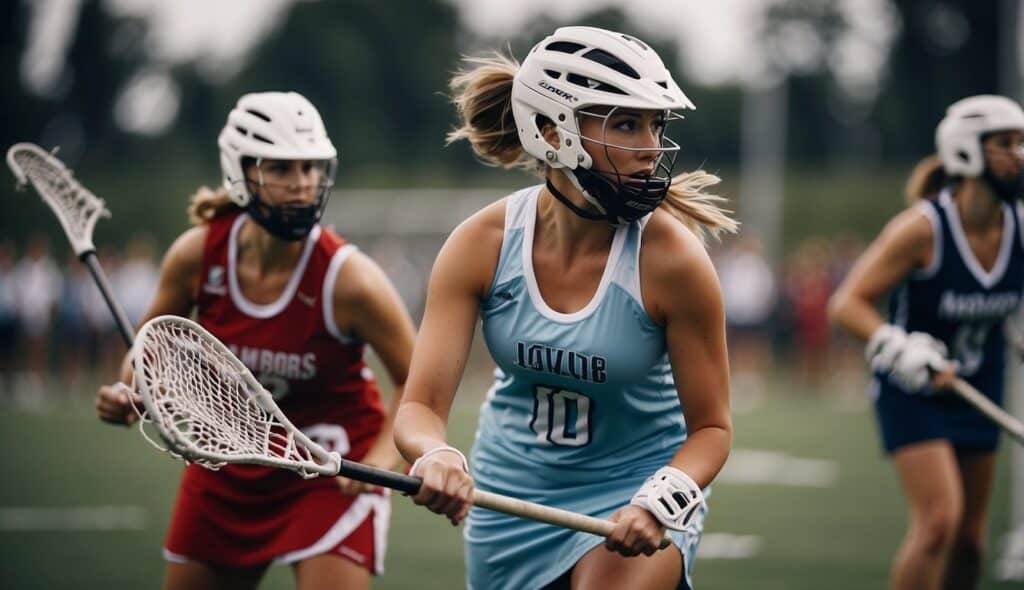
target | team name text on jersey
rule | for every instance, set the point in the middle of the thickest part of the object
(558, 361)
(284, 364)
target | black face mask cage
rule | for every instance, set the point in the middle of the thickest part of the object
(291, 222)
(627, 198)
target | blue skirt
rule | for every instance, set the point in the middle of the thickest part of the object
(508, 552)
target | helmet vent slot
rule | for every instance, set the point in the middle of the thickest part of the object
(258, 115)
(592, 84)
(663, 84)
(553, 74)
(564, 46)
(241, 130)
(608, 60)
(259, 137)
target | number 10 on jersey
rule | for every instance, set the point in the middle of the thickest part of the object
(560, 417)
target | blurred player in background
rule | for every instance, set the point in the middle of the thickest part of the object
(954, 262)
(600, 307)
(296, 303)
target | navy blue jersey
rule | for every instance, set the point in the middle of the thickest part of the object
(958, 302)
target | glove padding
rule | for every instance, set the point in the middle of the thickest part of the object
(671, 496)
(908, 359)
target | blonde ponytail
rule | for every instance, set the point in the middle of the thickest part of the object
(207, 203)
(926, 180)
(696, 209)
(482, 95)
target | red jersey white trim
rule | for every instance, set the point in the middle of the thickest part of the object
(245, 515)
(331, 279)
(267, 310)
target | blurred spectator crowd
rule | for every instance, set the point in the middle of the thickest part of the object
(54, 324)
(56, 332)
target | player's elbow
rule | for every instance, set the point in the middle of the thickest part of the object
(838, 304)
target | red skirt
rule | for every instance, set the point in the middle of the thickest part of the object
(245, 515)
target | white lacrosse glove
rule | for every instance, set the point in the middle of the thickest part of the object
(884, 347)
(908, 359)
(671, 496)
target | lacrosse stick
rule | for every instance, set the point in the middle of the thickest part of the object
(76, 209)
(205, 404)
(211, 410)
(1004, 419)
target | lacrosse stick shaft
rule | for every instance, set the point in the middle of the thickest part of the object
(408, 484)
(555, 516)
(123, 325)
(1012, 426)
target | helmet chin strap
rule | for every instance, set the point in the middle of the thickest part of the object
(584, 213)
(600, 214)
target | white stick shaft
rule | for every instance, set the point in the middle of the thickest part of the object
(1004, 419)
(555, 516)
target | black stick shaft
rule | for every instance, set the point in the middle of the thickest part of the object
(381, 477)
(123, 325)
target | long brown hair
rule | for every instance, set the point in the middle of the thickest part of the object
(482, 95)
(926, 180)
(207, 204)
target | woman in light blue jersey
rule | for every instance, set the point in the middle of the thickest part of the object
(954, 263)
(603, 314)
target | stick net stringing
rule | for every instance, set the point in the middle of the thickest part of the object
(208, 407)
(76, 208)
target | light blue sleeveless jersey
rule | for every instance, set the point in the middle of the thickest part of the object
(582, 410)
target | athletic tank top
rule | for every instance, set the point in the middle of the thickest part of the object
(956, 301)
(581, 393)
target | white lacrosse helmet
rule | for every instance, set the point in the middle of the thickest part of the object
(270, 125)
(959, 134)
(577, 67)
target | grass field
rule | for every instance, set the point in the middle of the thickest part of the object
(820, 511)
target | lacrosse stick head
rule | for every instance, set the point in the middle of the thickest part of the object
(76, 208)
(209, 409)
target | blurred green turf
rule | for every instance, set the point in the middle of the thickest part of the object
(840, 537)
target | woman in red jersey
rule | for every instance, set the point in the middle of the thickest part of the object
(295, 302)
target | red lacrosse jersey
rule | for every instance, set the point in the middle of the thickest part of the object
(245, 515)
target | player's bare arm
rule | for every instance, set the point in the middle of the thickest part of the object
(460, 277)
(904, 245)
(694, 320)
(175, 295)
(367, 307)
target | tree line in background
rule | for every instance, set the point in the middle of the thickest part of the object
(379, 75)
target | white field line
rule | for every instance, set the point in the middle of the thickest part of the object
(76, 518)
(762, 466)
(728, 546)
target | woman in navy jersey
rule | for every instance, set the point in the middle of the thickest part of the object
(954, 265)
(296, 303)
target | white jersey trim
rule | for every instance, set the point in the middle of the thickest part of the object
(268, 310)
(352, 518)
(330, 279)
(987, 279)
(1020, 216)
(172, 557)
(530, 207)
(633, 285)
(929, 271)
